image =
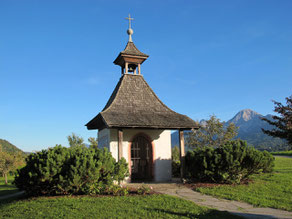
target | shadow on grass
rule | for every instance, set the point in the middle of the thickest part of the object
(7, 189)
(8, 192)
(210, 214)
(7, 201)
(213, 214)
(6, 186)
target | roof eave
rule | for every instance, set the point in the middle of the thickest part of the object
(155, 127)
(98, 122)
(120, 60)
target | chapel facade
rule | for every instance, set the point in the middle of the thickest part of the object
(136, 124)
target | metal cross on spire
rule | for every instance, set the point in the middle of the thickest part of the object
(130, 30)
(130, 19)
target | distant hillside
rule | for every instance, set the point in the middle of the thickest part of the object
(250, 125)
(8, 147)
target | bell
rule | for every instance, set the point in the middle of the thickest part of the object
(132, 67)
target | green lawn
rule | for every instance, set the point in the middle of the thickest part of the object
(149, 206)
(283, 153)
(9, 188)
(268, 190)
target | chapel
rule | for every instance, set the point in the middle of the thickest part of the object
(136, 125)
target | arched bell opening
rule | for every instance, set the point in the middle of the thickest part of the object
(141, 158)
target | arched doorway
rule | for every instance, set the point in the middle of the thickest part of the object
(141, 159)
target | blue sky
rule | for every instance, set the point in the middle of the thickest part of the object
(206, 57)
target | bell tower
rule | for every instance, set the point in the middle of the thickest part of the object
(130, 59)
(136, 125)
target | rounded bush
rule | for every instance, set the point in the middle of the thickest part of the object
(231, 163)
(76, 170)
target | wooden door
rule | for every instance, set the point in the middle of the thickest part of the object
(141, 159)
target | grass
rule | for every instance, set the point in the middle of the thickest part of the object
(9, 188)
(149, 206)
(267, 190)
(283, 153)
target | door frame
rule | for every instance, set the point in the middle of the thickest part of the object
(153, 153)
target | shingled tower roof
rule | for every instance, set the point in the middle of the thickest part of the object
(133, 104)
(131, 49)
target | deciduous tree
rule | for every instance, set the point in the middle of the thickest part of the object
(9, 163)
(93, 143)
(175, 153)
(74, 140)
(283, 123)
(212, 133)
(175, 161)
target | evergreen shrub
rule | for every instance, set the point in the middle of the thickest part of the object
(117, 190)
(77, 170)
(232, 162)
(144, 190)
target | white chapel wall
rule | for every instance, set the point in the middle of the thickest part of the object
(107, 138)
(163, 157)
(104, 138)
(114, 143)
(162, 149)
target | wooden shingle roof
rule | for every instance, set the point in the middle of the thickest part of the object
(133, 104)
(131, 49)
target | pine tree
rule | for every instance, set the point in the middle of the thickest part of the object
(282, 123)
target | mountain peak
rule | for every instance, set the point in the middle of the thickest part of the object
(246, 115)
